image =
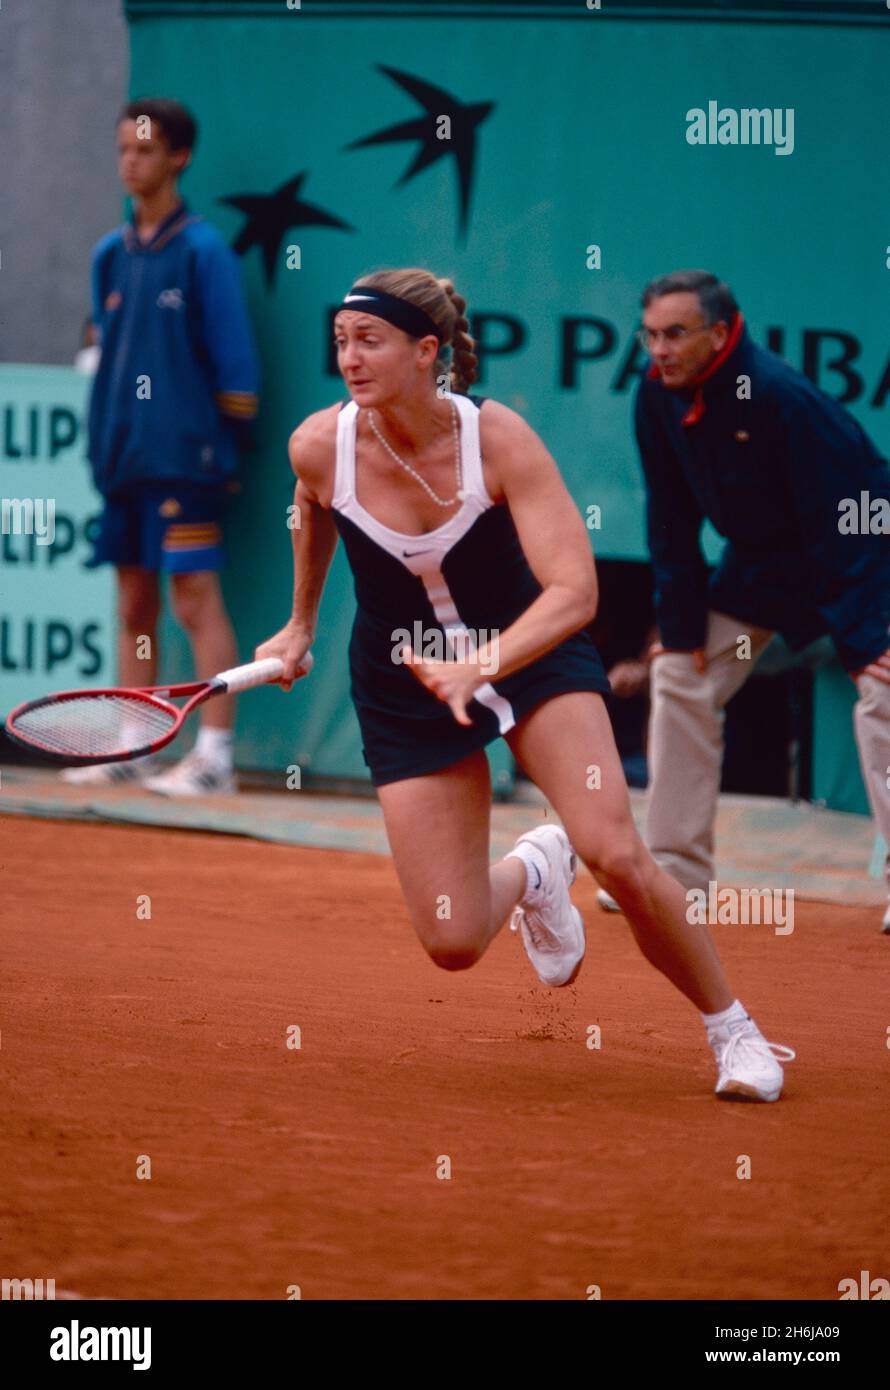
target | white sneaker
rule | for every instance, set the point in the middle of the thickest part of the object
(747, 1065)
(552, 929)
(607, 902)
(885, 925)
(110, 774)
(194, 775)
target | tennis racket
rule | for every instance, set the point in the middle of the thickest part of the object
(111, 726)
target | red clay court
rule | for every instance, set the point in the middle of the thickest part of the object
(571, 1167)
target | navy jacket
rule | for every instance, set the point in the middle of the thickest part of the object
(170, 315)
(770, 474)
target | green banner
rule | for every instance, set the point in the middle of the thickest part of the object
(56, 616)
(551, 168)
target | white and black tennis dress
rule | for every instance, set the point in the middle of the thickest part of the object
(468, 574)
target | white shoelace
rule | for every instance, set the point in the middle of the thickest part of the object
(778, 1050)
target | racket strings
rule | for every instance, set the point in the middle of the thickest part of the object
(95, 724)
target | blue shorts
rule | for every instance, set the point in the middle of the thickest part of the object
(174, 527)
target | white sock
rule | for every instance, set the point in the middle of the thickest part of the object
(535, 867)
(736, 1013)
(215, 745)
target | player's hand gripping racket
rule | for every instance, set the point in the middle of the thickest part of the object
(111, 726)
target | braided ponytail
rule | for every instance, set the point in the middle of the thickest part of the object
(464, 362)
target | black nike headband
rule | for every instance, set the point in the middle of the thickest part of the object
(397, 311)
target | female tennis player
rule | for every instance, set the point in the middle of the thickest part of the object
(462, 536)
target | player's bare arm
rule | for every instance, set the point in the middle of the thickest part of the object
(551, 532)
(313, 537)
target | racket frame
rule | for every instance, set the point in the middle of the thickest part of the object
(248, 676)
(149, 694)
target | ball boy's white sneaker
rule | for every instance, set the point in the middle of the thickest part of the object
(194, 775)
(110, 774)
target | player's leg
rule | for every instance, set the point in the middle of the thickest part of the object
(686, 746)
(560, 744)
(438, 829)
(871, 725)
(567, 748)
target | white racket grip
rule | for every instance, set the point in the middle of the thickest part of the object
(256, 673)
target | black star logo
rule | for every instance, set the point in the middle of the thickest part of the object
(269, 215)
(436, 102)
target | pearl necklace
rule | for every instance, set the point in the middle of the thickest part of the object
(460, 495)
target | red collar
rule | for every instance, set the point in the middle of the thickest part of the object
(697, 408)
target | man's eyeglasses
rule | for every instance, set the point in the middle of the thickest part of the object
(647, 337)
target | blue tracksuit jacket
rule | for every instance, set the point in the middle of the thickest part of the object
(172, 319)
(770, 474)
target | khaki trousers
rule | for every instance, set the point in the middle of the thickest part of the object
(686, 747)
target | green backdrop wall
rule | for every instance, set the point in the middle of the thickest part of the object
(568, 131)
(56, 616)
